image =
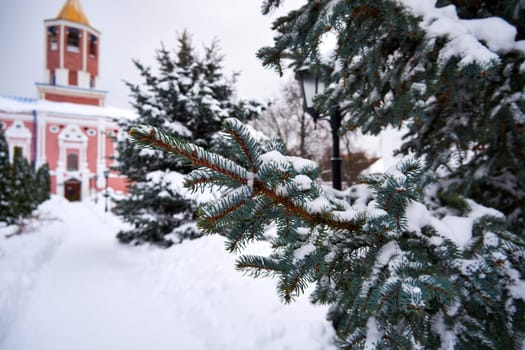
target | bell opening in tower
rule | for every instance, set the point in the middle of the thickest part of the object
(93, 45)
(73, 40)
(53, 38)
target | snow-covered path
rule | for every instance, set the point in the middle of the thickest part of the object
(97, 294)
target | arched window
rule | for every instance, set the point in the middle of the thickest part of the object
(73, 40)
(72, 162)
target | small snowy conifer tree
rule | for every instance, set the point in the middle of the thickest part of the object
(22, 187)
(395, 275)
(43, 184)
(189, 96)
(5, 206)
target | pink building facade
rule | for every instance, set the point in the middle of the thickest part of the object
(68, 126)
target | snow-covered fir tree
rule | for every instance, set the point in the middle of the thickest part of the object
(452, 72)
(189, 96)
(42, 184)
(5, 207)
(21, 188)
(397, 273)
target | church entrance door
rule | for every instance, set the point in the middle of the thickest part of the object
(72, 190)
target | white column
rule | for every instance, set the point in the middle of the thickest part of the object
(101, 153)
(41, 137)
(59, 177)
(59, 171)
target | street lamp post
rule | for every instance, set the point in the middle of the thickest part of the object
(106, 194)
(311, 86)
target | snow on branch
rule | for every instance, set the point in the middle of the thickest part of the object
(465, 36)
(154, 138)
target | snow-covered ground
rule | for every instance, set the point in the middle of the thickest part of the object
(68, 284)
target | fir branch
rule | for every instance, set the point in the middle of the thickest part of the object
(300, 211)
(258, 266)
(155, 138)
(242, 137)
(213, 213)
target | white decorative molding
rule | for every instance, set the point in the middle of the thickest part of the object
(72, 133)
(18, 129)
(47, 75)
(18, 135)
(59, 178)
(83, 79)
(62, 76)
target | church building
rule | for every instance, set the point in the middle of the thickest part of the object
(68, 125)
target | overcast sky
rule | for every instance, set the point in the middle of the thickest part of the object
(135, 29)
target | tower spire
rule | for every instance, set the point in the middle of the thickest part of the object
(72, 11)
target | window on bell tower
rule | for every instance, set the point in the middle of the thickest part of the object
(93, 45)
(53, 38)
(73, 40)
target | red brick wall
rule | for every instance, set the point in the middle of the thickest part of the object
(118, 184)
(110, 151)
(53, 57)
(91, 147)
(7, 123)
(73, 78)
(72, 99)
(52, 145)
(54, 184)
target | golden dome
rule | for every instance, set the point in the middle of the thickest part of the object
(72, 11)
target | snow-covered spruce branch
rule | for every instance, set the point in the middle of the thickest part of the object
(396, 274)
(276, 180)
(154, 138)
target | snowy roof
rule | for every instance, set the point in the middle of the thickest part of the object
(23, 104)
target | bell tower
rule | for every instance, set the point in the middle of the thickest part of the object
(72, 58)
